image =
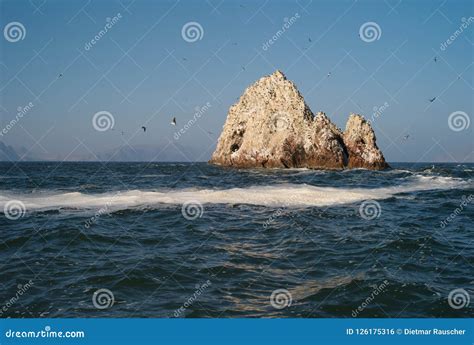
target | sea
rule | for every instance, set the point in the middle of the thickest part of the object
(193, 240)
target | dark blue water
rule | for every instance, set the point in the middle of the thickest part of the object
(325, 244)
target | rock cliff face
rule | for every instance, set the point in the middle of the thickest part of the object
(272, 127)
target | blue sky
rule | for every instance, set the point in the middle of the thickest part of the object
(143, 72)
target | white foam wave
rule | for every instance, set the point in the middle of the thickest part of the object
(287, 195)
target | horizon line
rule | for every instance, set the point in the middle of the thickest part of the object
(191, 162)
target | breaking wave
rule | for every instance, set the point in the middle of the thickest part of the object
(281, 195)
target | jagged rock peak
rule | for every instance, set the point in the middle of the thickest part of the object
(279, 75)
(271, 126)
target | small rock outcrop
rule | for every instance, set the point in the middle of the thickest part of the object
(272, 127)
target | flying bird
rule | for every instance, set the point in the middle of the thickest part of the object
(329, 74)
(60, 75)
(173, 122)
(405, 137)
(432, 100)
(144, 128)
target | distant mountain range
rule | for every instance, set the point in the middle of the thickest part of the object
(165, 153)
(8, 153)
(174, 152)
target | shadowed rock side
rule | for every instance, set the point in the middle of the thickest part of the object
(272, 127)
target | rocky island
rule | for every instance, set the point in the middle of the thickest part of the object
(272, 127)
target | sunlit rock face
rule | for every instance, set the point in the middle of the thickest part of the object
(272, 127)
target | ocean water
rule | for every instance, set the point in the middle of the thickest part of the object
(195, 240)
